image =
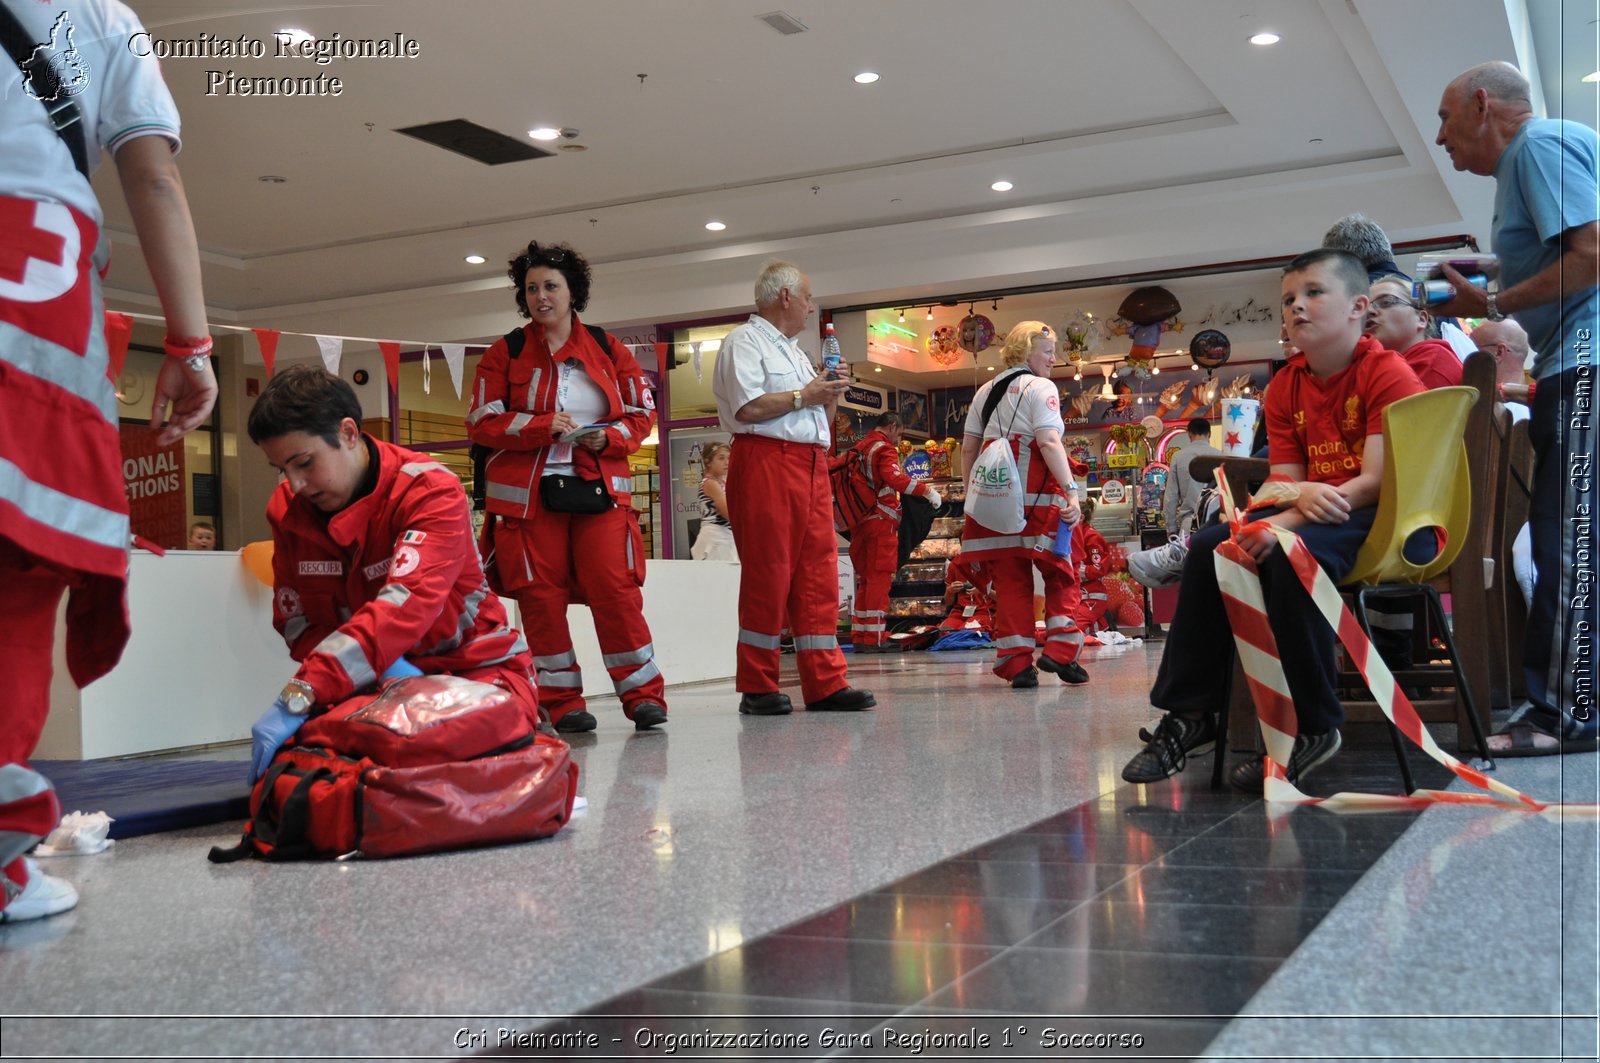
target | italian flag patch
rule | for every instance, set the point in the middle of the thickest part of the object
(413, 537)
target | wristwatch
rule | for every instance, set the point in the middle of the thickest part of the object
(298, 696)
(1494, 310)
(799, 400)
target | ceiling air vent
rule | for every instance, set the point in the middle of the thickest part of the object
(783, 22)
(475, 142)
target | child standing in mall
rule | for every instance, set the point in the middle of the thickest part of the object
(1324, 418)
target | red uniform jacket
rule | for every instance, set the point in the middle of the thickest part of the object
(514, 401)
(394, 574)
(880, 456)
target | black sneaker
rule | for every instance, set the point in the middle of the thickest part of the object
(1168, 749)
(774, 704)
(1025, 679)
(845, 699)
(1310, 753)
(1071, 672)
(577, 722)
(648, 714)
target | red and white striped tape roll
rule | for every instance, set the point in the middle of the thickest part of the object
(1240, 582)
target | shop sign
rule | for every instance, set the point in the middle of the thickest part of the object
(153, 476)
(865, 397)
(1113, 492)
(1123, 461)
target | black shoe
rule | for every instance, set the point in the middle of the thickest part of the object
(1025, 679)
(576, 722)
(1071, 672)
(846, 699)
(1166, 751)
(648, 714)
(1310, 753)
(774, 704)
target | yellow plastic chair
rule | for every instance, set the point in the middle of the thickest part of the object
(1426, 484)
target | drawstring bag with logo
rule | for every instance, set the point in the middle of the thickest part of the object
(994, 495)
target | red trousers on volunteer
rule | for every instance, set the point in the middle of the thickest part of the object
(555, 559)
(781, 504)
(1013, 612)
(874, 553)
(29, 595)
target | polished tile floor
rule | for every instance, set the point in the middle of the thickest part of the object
(964, 862)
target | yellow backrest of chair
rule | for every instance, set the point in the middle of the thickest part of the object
(1426, 484)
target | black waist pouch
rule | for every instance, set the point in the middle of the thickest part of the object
(568, 494)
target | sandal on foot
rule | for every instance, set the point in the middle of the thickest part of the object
(1524, 739)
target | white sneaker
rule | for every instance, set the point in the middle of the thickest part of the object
(43, 895)
(1161, 566)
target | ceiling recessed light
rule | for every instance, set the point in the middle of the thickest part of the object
(1002, 186)
(715, 226)
(476, 260)
(1592, 78)
(877, 369)
(866, 77)
(296, 37)
(544, 133)
(1264, 39)
(988, 369)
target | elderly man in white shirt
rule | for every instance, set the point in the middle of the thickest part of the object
(778, 411)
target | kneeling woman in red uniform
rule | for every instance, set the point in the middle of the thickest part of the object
(562, 405)
(373, 567)
(1027, 414)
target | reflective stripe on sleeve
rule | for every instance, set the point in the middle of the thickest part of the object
(350, 657)
(417, 468)
(294, 627)
(504, 493)
(518, 423)
(394, 594)
(490, 410)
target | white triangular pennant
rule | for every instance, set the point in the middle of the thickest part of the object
(427, 373)
(455, 356)
(332, 348)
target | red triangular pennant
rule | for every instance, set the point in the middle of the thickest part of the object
(119, 330)
(268, 340)
(391, 361)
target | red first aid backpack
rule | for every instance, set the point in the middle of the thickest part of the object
(855, 495)
(431, 763)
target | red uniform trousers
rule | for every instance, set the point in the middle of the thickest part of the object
(29, 595)
(1063, 639)
(874, 551)
(1013, 613)
(1091, 610)
(781, 504)
(595, 558)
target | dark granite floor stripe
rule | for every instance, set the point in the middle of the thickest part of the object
(1169, 901)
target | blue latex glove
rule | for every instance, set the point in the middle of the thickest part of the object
(276, 726)
(400, 669)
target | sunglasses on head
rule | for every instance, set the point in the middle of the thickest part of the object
(546, 256)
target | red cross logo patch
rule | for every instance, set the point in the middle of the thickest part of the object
(44, 277)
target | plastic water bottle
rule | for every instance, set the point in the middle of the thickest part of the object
(1063, 544)
(831, 354)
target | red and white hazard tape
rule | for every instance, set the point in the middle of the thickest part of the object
(1240, 582)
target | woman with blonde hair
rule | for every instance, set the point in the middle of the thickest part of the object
(1021, 405)
(715, 541)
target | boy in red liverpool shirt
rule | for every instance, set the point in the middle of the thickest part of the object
(1324, 416)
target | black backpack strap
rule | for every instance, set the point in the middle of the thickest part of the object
(64, 114)
(992, 403)
(246, 849)
(515, 339)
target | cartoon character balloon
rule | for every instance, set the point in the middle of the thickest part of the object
(1210, 349)
(943, 347)
(1078, 337)
(977, 332)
